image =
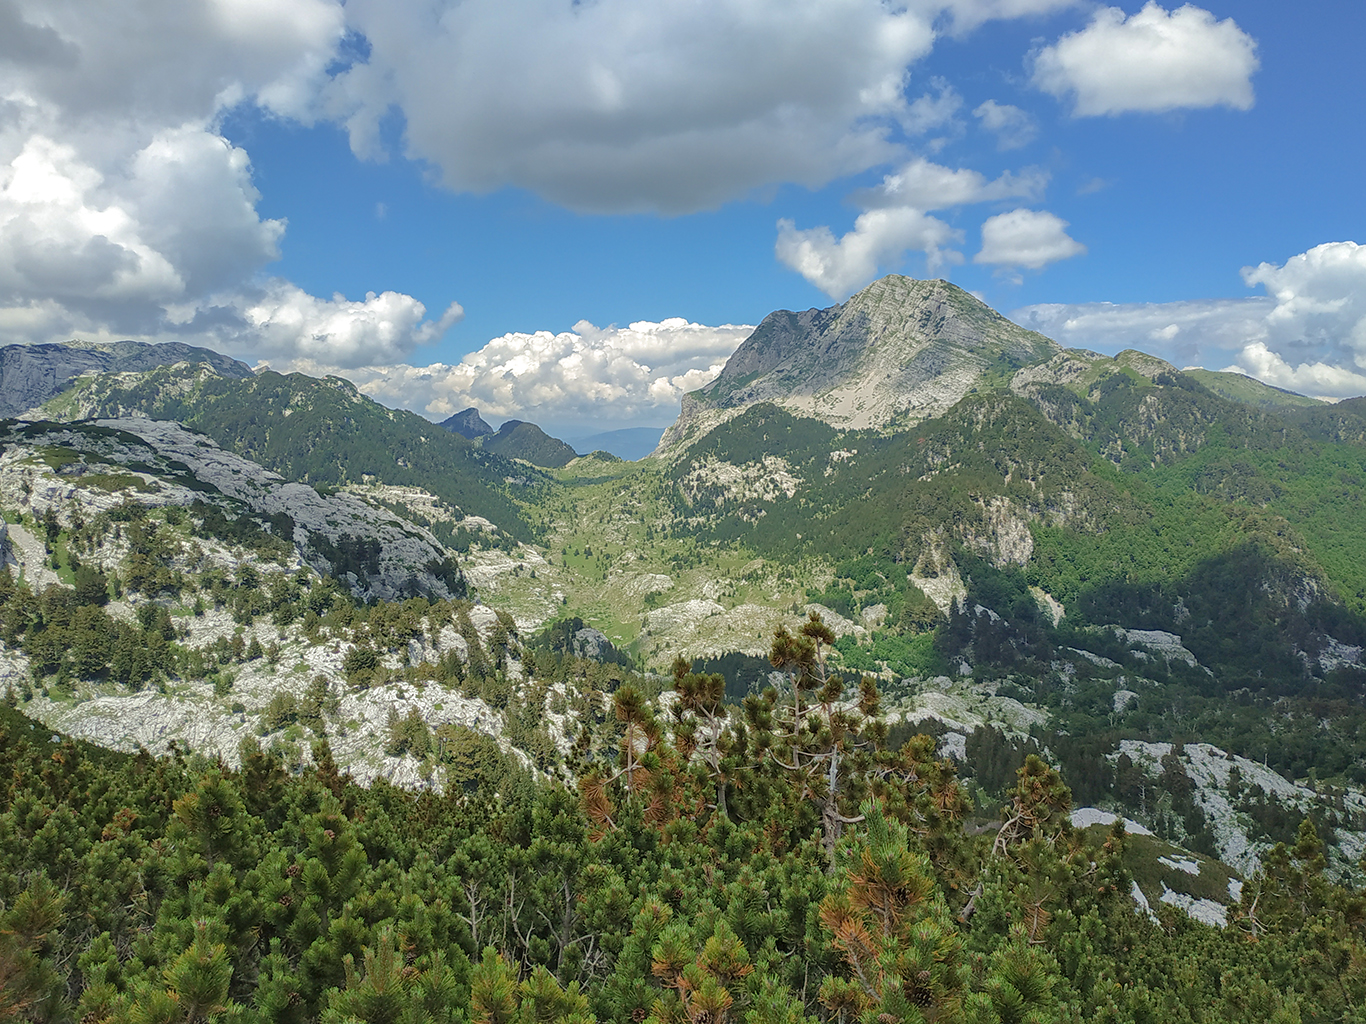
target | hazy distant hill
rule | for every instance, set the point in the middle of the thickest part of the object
(518, 440)
(630, 443)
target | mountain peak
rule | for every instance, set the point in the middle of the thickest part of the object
(517, 439)
(468, 424)
(899, 351)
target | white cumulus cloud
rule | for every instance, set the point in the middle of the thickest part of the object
(1012, 126)
(1153, 61)
(1206, 330)
(588, 376)
(929, 186)
(896, 220)
(1319, 379)
(841, 266)
(932, 110)
(1320, 300)
(661, 105)
(290, 322)
(621, 105)
(1026, 238)
(1308, 333)
(124, 212)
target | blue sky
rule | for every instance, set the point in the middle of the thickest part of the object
(315, 186)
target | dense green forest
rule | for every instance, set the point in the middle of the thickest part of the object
(788, 864)
(518, 440)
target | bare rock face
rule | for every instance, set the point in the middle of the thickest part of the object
(32, 374)
(900, 351)
(377, 553)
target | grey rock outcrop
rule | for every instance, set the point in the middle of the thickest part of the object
(592, 643)
(32, 374)
(378, 554)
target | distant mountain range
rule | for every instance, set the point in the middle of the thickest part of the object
(32, 374)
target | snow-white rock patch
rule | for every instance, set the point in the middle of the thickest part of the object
(1205, 911)
(1141, 901)
(1085, 817)
(1190, 867)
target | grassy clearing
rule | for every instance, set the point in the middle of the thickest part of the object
(1143, 857)
(609, 556)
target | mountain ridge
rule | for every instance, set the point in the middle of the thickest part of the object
(32, 374)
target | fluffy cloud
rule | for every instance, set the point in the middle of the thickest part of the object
(932, 110)
(124, 213)
(617, 105)
(667, 105)
(122, 249)
(1012, 126)
(841, 267)
(291, 323)
(1201, 332)
(930, 186)
(1026, 238)
(1320, 301)
(896, 221)
(134, 67)
(1153, 61)
(1307, 334)
(588, 376)
(1318, 378)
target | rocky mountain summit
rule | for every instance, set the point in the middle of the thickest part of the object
(32, 374)
(467, 423)
(898, 352)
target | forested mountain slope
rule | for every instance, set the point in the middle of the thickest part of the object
(1096, 563)
(322, 432)
(528, 442)
(140, 889)
(1238, 387)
